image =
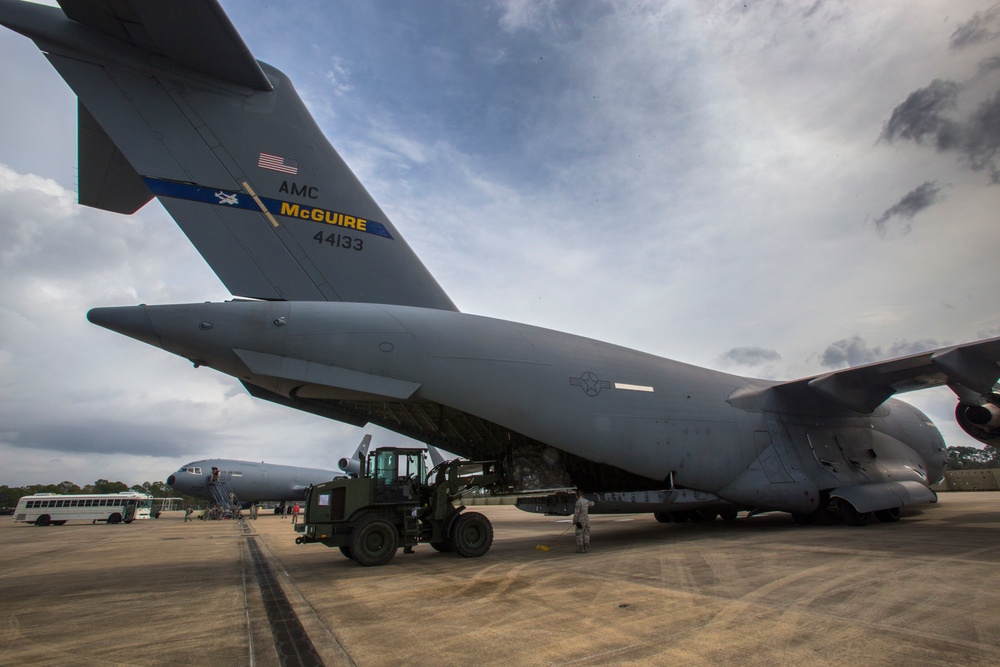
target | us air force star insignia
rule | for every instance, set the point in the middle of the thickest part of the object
(227, 198)
(592, 385)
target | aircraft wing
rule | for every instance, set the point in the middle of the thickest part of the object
(973, 366)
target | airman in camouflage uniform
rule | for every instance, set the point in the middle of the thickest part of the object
(581, 519)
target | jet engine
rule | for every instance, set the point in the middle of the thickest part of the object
(981, 421)
(352, 466)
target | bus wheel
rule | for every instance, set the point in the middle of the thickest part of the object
(43, 520)
(115, 518)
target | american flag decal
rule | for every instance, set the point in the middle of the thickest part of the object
(278, 163)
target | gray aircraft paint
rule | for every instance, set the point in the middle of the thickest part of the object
(354, 328)
(251, 481)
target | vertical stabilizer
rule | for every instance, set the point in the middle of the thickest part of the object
(169, 93)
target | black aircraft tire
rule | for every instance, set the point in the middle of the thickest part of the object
(347, 552)
(472, 535)
(680, 516)
(853, 517)
(729, 515)
(888, 516)
(115, 518)
(373, 541)
(662, 517)
(43, 520)
(443, 547)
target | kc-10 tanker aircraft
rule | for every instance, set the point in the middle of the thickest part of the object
(253, 482)
(335, 314)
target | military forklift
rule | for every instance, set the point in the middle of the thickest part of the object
(392, 504)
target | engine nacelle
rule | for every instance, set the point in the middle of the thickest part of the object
(350, 466)
(982, 422)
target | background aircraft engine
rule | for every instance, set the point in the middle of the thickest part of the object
(982, 422)
(350, 466)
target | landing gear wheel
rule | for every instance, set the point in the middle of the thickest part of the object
(43, 520)
(889, 515)
(347, 552)
(853, 517)
(374, 541)
(682, 516)
(472, 535)
(729, 515)
(662, 517)
(115, 518)
(703, 516)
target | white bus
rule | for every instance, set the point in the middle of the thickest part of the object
(43, 509)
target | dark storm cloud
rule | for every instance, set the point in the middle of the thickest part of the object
(87, 435)
(927, 117)
(913, 202)
(749, 356)
(921, 116)
(854, 351)
(982, 27)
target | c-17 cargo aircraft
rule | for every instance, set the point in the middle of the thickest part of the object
(253, 482)
(334, 313)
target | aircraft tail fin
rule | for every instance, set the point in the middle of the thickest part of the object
(352, 465)
(437, 458)
(169, 93)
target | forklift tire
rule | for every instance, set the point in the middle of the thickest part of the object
(373, 541)
(472, 535)
(347, 552)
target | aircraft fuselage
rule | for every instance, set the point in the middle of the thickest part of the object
(661, 421)
(251, 481)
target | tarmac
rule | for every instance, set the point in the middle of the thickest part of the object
(757, 591)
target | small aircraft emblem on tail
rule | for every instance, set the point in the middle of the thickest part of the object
(230, 198)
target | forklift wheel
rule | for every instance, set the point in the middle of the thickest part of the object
(472, 535)
(373, 541)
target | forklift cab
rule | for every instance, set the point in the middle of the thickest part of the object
(399, 474)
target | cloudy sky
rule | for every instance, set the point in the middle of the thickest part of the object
(770, 189)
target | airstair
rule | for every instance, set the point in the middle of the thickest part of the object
(223, 494)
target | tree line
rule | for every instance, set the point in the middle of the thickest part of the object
(9, 495)
(973, 458)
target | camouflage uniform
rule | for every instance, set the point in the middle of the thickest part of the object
(581, 518)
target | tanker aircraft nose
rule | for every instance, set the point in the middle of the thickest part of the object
(133, 321)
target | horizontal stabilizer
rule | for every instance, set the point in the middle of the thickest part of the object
(195, 34)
